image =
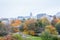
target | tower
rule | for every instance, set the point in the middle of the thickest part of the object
(31, 15)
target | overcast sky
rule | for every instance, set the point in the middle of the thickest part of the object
(14, 8)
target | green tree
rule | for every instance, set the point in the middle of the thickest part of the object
(3, 29)
(58, 27)
(47, 36)
(44, 22)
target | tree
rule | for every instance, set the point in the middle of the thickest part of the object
(51, 29)
(44, 22)
(58, 27)
(3, 29)
(54, 21)
(31, 26)
(15, 23)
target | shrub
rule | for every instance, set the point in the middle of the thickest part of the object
(47, 36)
(58, 38)
(51, 29)
(17, 37)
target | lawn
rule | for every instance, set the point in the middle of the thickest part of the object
(31, 38)
(34, 38)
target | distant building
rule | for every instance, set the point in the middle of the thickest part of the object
(40, 15)
(20, 17)
(31, 15)
(25, 17)
(58, 15)
(49, 17)
(10, 19)
(5, 20)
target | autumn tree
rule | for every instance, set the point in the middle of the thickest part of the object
(54, 21)
(51, 29)
(34, 26)
(15, 24)
(44, 22)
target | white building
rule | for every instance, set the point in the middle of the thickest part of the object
(40, 15)
(49, 17)
(58, 15)
(20, 17)
(5, 21)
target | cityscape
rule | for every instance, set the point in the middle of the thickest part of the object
(30, 27)
(29, 19)
(38, 16)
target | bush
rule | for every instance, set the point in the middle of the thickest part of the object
(17, 36)
(58, 38)
(51, 29)
(47, 36)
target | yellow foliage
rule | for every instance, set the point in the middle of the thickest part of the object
(25, 32)
(51, 29)
(25, 26)
(31, 32)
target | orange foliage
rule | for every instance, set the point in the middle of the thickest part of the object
(30, 21)
(15, 23)
(56, 20)
(26, 30)
(1, 38)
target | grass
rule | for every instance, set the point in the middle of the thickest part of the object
(34, 38)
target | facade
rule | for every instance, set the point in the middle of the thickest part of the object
(49, 17)
(5, 21)
(20, 17)
(40, 15)
(58, 15)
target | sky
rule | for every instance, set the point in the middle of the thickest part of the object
(14, 8)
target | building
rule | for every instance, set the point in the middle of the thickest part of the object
(58, 15)
(49, 17)
(20, 17)
(27, 17)
(40, 15)
(31, 15)
(5, 21)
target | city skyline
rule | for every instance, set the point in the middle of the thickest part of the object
(14, 8)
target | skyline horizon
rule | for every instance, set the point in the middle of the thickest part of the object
(29, 15)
